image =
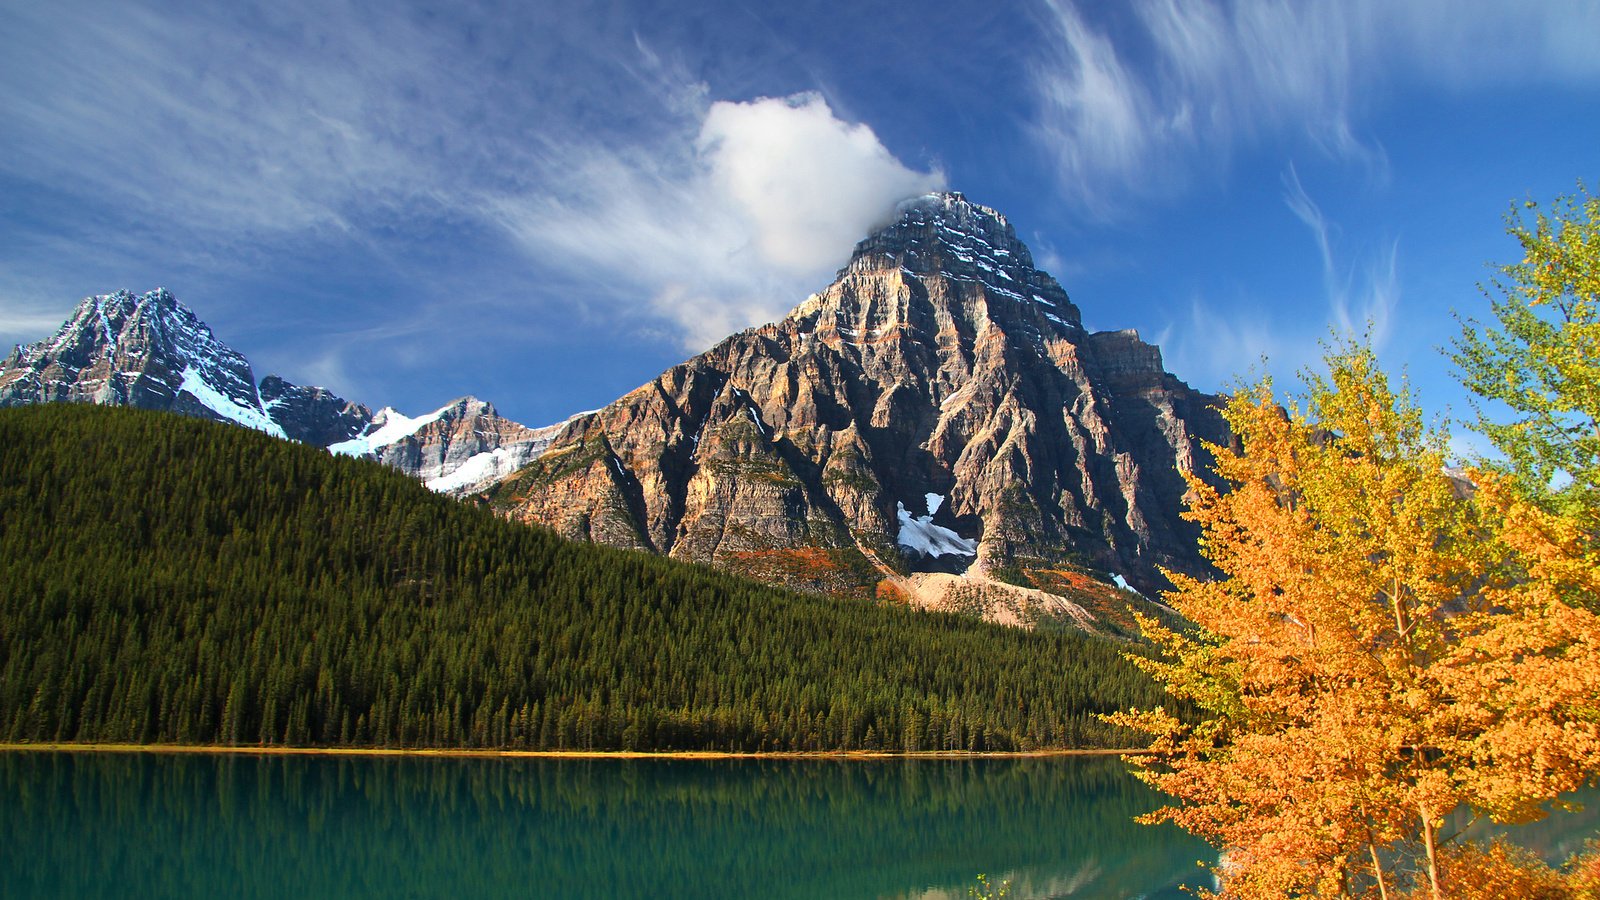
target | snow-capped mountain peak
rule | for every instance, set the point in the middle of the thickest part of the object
(152, 352)
(457, 448)
(146, 350)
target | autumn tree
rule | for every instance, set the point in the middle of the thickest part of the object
(1539, 365)
(1382, 646)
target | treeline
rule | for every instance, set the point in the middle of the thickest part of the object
(165, 579)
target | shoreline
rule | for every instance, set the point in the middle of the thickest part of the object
(467, 753)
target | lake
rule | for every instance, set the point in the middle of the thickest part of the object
(152, 825)
(155, 825)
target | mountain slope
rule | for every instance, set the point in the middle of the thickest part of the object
(312, 415)
(169, 579)
(937, 411)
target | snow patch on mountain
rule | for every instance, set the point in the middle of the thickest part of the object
(390, 425)
(491, 465)
(920, 535)
(1121, 582)
(227, 407)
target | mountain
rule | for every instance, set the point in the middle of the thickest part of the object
(150, 351)
(459, 448)
(312, 415)
(166, 579)
(936, 425)
(147, 351)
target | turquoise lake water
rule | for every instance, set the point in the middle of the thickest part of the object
(150, 825)
(102, 825)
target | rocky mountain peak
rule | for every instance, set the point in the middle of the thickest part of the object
(123, 322)
(145, 350)
(946, 222)
(935, 424)
(947, 238)
(312, 415)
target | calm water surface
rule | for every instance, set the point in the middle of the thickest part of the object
(111, 825)
(99, 825)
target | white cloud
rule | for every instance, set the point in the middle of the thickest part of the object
(208, 126)
(1096, 118)
(23, 326)
(729, 229)
(1361, 299)
(30, 309)
(807, 182)
(205, 136)
(1132, 110)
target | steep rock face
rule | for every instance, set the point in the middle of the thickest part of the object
(461, 447)
(941, 394)
(146, 350)
(312, 415)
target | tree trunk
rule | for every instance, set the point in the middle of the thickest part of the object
(1429, 841)
(1377, 870)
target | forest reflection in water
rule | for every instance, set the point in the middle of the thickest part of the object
(104, 825)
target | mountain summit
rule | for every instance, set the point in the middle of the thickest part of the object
(145, 350)
(152, 352)
(935, 424)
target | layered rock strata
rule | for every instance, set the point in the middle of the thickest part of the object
(938, 408)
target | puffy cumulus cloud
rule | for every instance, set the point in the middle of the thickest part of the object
(808, 183)
(724, 230)
(1131, 109)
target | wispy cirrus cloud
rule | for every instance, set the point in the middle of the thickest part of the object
(1215, 346)
(1134, 109)
(226, 122)
(1360, 296)
(204, 134)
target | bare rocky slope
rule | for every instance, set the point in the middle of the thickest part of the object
(936, 425)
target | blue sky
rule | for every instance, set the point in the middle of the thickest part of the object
(546, 204)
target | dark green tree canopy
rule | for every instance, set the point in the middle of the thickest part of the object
(165, 579)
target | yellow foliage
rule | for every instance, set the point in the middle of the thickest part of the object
(1378, 651)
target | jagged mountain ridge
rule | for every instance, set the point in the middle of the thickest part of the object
(312, 415)
(937, 411)
(460, 448)
(935, 425)
(150, 351)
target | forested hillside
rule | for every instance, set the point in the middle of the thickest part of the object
(164, 579)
